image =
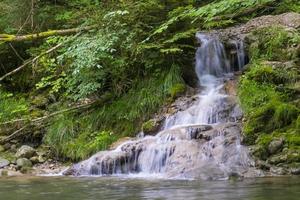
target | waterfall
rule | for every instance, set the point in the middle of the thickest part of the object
(202, 141)
(212, 68)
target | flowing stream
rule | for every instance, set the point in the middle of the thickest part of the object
(116, 188)
(200, 142)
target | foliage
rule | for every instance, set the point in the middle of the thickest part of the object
(69, 134)
(275, 43)
(138, 53)
(12, 106)
(67, 137)
(267, 93)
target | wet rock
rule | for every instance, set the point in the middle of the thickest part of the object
(119, 142)
(295, 171)
(25, 152)
(3, 162)
(34, 159)
(230, 87)
(13, 148)
(23, 163)
(278, 171)
(6, 172)
(196, 132)
(281, 158)
(42, 159)
(275, 146)
(260, 152)
(177, 153)
(26, 170)
(260, 164)
(151, 127)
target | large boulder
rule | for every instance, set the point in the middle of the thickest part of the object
(3, 162)
(24, 163)
(25, 152)
(275, 146)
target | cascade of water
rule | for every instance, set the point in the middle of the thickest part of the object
(212, 68)
(196, 142)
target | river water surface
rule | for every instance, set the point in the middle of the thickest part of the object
(92, 188)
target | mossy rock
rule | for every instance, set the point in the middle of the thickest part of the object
(274, 43)
(40, 101)
(24, 163)
(35, 113)
(26, 170)
(293, 156)
(261, 152)
(177, 90)
(151, 127)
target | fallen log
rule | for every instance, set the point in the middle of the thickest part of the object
(41, 35)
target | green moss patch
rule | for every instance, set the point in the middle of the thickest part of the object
(268, 94)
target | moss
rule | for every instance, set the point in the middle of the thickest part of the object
(12, 106)
(40, 101)
(36, 113)
(26, 170)
(268, 94)
(274, 43)
(284, 115)
(149, 126)
(293, 156)
(8, 155)
(263, 73)
(4, 173)
(177, 90)
(298, 124)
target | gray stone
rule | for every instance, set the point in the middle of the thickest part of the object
(34, 159)
(13, 148)
(25, 152)
(275, 146)
(278, 171)
(295, 171)
(195, 132)
(23, 163)
(7, 146)
(274, 160)
(262, 165)
(41, 159)
(3, 162)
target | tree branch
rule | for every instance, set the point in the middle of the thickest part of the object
(13, 135)
(34, 36)
(106, 97)
(30, 61)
